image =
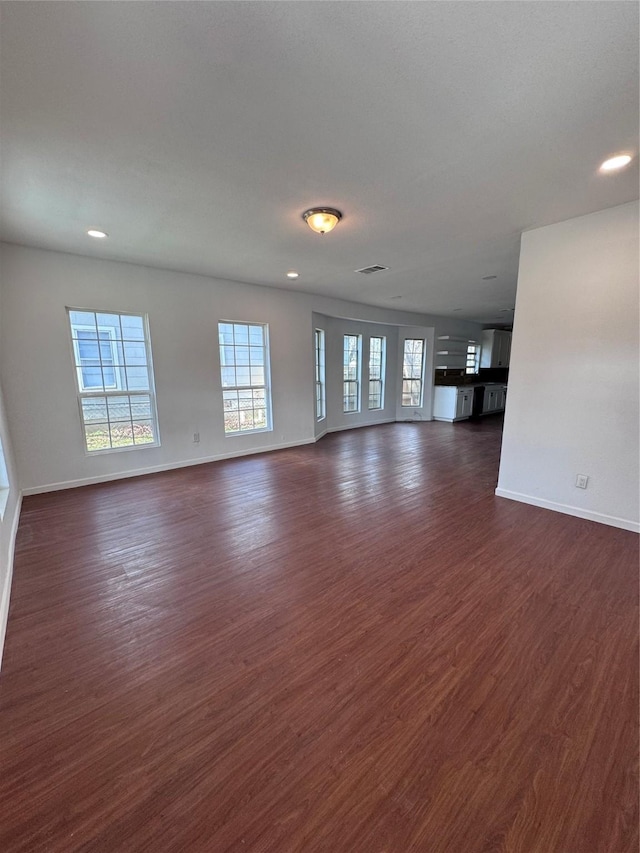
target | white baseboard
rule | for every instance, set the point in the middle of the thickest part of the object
(6, 589)
(567, 509)
(357, 426)
(155, 469)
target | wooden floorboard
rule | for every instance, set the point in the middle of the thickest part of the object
(350, 647)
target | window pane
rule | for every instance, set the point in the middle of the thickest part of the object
(132, 327)
(257, 375)
(240, 335)
(412, 369)
(83, 319)
(228, 376)
(137, 378)
(243, 363)
(320, 373)
(121, 434)
(90, 378)
(94, 409)
(242, 355)
(97, 436)
(119, 409)
(140, 407)
(134, 353)
(256, 335)
(143, 431)
(104, 361)
(243, 375)
(110, 322)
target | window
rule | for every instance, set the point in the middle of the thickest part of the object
(112, 357)
(244, 366)
(412, 372)
(376, 372)
(473, 357)
(4, 483)
(321, 410)
(351, 373)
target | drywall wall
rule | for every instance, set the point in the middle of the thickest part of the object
(36, 366)
(335, 329)
(9, 517)
(572, 405)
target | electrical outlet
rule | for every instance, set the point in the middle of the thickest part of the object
(581, 481)
(196, 438)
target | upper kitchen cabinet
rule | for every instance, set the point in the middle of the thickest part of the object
(496, 348)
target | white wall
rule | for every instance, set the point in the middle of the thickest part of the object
(335, 328)
(39, 385)
(572, 404)
(9, 520)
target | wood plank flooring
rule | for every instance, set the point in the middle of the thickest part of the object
(351, 647)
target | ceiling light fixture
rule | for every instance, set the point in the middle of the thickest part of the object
(99, 235)
(322, 219)
(292, 274)
(617, 162)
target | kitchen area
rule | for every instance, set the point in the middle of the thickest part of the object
(471, 376)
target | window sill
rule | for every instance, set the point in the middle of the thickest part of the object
(121, 449)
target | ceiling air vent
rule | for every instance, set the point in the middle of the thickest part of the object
(374, 268)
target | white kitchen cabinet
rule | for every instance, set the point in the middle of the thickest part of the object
(496, 348)
(451, 403)
(494, 399)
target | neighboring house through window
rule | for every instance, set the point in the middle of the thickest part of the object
(244, 367)
(114, 379)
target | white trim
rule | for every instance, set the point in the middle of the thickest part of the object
(6, 591)
(155, 469)
(578, 512)
(357, 426)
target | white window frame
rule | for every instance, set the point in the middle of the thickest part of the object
(379, 380)
(348, 381)
(320, 366)
(4, 482)
(117, 391)
(265, 387)
(420, 379)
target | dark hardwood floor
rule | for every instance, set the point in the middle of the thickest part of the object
(351, 647)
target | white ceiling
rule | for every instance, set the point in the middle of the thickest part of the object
(196, 133)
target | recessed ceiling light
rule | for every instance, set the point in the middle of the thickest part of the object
(489, 277)
(292, 274)
(617, 162)
(94, 232)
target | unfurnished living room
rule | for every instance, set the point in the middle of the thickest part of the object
(319, 415)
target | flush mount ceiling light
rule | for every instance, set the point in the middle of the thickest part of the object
(99, 235)
(292, 274)
(322, 219)
(617, 162)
